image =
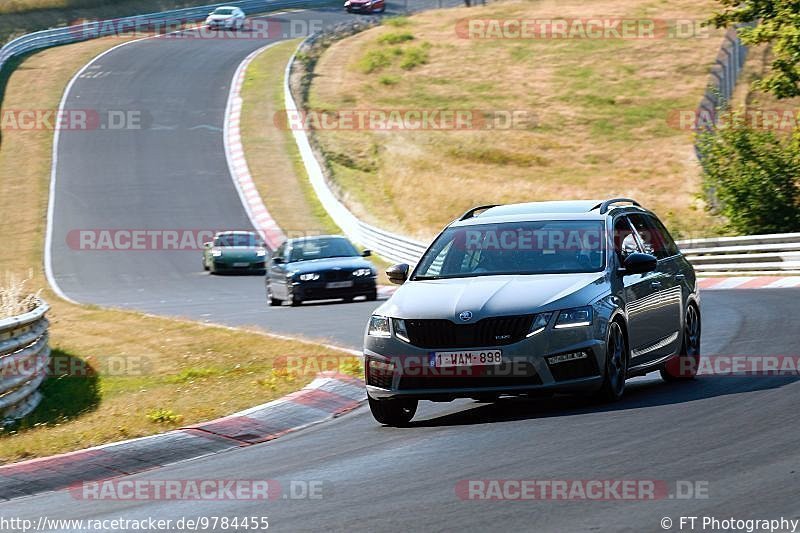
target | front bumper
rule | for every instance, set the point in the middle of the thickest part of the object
(526, 368)
(318, 290)
(240, 266)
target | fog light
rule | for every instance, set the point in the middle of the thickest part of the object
(567, 357)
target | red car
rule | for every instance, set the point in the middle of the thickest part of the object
(365, 6)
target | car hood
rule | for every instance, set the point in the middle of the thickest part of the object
(319, 265)
(486, 296)
(220, 17)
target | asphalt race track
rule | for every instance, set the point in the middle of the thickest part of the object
(737, 434)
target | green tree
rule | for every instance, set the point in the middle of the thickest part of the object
(778, 25)
(751, 174)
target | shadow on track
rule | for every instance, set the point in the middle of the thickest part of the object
(637, 396)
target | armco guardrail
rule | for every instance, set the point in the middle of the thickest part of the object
(24, 361)
(755, 254)
(157, 21)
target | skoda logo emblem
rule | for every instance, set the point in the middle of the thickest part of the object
(466, 316)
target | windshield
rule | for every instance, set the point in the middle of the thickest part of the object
(539, 247)
(223, 11)
(239, 239)
(322, 248)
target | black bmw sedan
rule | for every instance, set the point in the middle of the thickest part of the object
(319, 268)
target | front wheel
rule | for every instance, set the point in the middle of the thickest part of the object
(372, 296)
(394, 412)
(684, 366)
(616, 365)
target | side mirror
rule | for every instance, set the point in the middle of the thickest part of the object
(397, 274)
(366, 253)
(638, 263)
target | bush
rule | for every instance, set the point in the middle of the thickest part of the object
(374, 60)
(752, 177)
(414, 56)
(395, 38)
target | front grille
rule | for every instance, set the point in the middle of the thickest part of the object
(576, 369)
(495, 331)
(505, 375)
(337, 275)
(378, 377)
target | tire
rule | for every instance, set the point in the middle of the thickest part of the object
(273, 302)
(205, 265)
(372, 296)
(395, 413)
(684, 366)
(616, 366)
(348, 299)
(296, 302)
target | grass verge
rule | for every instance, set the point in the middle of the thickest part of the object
(272, 154)
(117, 374)
(598, 111)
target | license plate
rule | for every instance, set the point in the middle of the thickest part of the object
(339, 284)
(466, 358)
(241, 265)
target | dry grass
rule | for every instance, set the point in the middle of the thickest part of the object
(601, 112)
(143, 375)
(15, 299)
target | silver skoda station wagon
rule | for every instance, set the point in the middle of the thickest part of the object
(531, 299)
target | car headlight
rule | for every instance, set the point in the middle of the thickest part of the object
(216, 252)
(573, 318)
(361, 272)
(261, 253)
(540, 322)
(379, 326)
(312, 276)
(400, 330)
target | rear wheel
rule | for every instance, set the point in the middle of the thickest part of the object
(616, 365)
(393, 412)
(684, 366)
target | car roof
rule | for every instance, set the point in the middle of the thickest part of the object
(236, 232)
(315, 237)
(551, 210)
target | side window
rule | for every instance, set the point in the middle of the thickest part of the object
(625, 242)
(653, 237)
(280, 251)
(669, 243)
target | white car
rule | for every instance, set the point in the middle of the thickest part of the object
(226, 17)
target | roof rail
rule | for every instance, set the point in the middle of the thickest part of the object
(605, 207)
(471, 212)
